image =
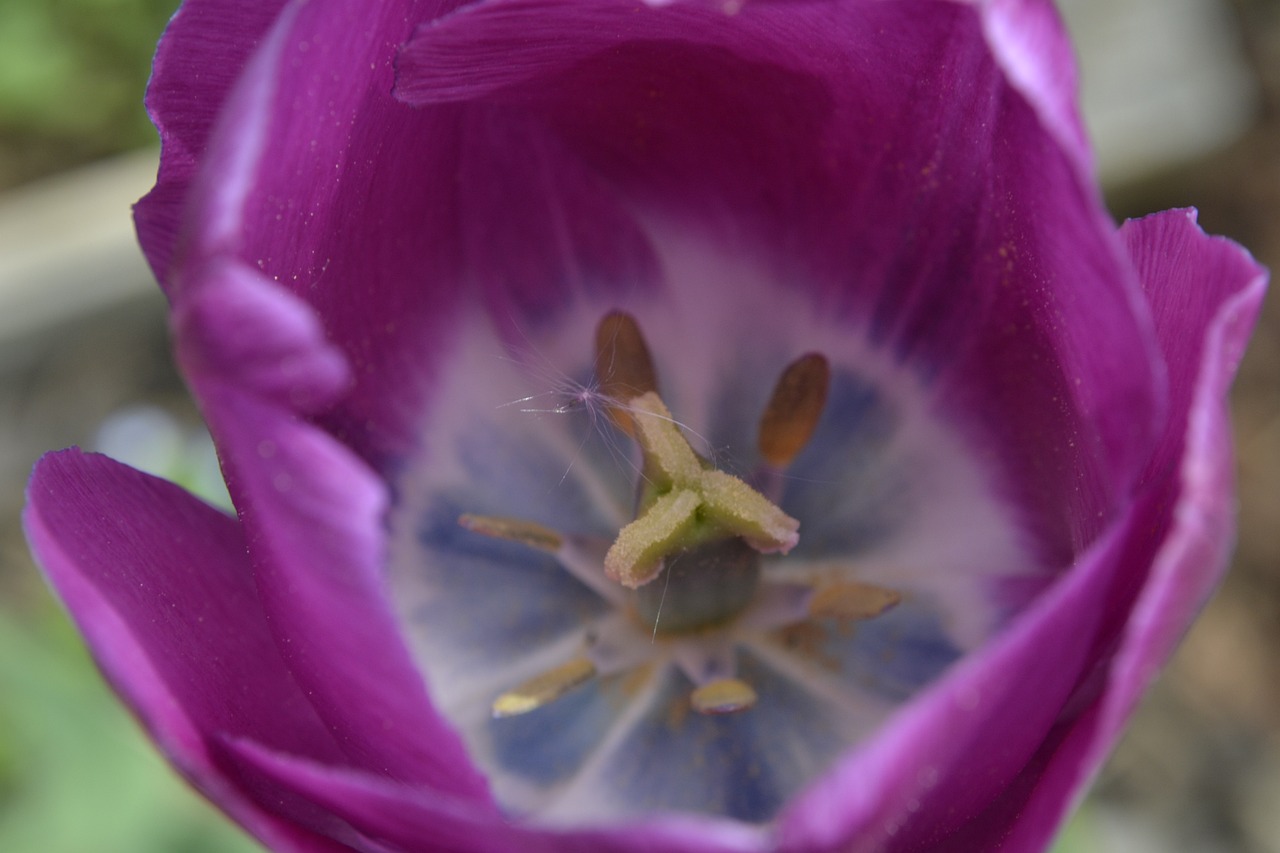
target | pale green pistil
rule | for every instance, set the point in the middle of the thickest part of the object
(687, 504)
(701, 587)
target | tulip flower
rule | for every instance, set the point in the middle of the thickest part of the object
(664, 427)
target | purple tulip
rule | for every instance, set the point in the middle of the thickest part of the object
(654, 427)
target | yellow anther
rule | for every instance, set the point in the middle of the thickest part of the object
(794, 409)
(852, 600)
(544, 689)
(726, 696)
(513, 529)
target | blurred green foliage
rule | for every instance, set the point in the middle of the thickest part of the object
(76, 775)
(1079, 836)
(72, 75)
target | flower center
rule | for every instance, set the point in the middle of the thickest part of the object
(687, 582)
(690, 559)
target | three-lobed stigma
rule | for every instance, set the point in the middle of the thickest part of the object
(684, 503)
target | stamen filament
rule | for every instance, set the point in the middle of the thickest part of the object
(528, 533)
(542, 690)
(580, 556)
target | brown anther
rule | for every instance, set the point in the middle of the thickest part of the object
(513, 529)
(623, 366)
(725, 696)
(852, 600)
(794, 409)
(542, 690)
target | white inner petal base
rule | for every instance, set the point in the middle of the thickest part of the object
(885, 494)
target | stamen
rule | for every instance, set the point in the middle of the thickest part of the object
(852, 600)
(726, 696)
(542, 690)
(687, 504)
(526, 533)
(580, 556)
(624, 368)
(794, 409)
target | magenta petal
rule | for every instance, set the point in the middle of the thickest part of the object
(380, 251)
(1205, 293)
(445, 60)
(1030, 42)
(538, 227)
(372, 251)
(405, 818)
(486, 48)
(937, 763)
(202, 53)
(249, 332)
(159, 585)
(313, 515)
(751, 132)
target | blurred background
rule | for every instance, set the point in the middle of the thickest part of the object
(1183, 101)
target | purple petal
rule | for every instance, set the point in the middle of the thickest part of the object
(750, 133)
(201, 55)
(384, 255)
(381, 242)
(1201, 290)
(249, 332)
(1030, 43)
(314, 186)
(313, 512)
(160, 587)
(1205, 293)
(940, 760)
(381, 251)
(405, 817)
(313, 515)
